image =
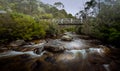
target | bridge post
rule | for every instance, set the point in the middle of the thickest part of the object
(71, 20)
(61, 21)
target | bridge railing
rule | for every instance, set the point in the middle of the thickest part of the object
(63, 21)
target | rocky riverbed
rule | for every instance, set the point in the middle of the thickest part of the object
(69, 53)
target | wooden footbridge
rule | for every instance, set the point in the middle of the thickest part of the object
(64, 21)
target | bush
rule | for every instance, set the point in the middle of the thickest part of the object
(78, 30)
(70, 29)
(20, 26)
(39, 29)
(114, 37)
(52, 30)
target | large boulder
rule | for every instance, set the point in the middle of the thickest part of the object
(54, 46)
(66, 38)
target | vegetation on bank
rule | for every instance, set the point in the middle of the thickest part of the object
(101, 20)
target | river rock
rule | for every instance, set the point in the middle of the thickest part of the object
(54, 48)
(84, 37)
(35, 45)
(66, 38)
(3, 50)
(17, 43)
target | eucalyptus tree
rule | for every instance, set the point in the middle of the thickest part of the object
(59, 5)
(90, 4)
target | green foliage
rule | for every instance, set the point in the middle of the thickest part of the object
(52, 30)
(62, 31)
(114, 36)
(67, 29)
(21, 27)
(59, 15)
(38, 30)
(78, 30)
(106, 24)
(70, 29)
(46, 16)
(70, 16)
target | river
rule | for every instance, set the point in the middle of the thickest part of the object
(78, 55)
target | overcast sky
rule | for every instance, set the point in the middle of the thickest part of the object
(71, 6)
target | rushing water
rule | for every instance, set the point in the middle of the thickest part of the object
(75, 44)
(14, 53)
(78, 56)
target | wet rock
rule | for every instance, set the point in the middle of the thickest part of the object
(25, 49)
(84, 37)
(66, 38)
(102, 46)
(15, 63)
(50, 59)
(30, 43)
(35, 45)
(38, 41)
(54, 48)
(94, 41)
(17, 43)
(38, 50)
(3, 50)
(37, 65)
(114, 66)
(113, 53)
(106, 50)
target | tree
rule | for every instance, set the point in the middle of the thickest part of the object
(90, 4)
(106, 24)
(59, 5)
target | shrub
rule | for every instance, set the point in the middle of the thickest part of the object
(20, 26)
(52, 30)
